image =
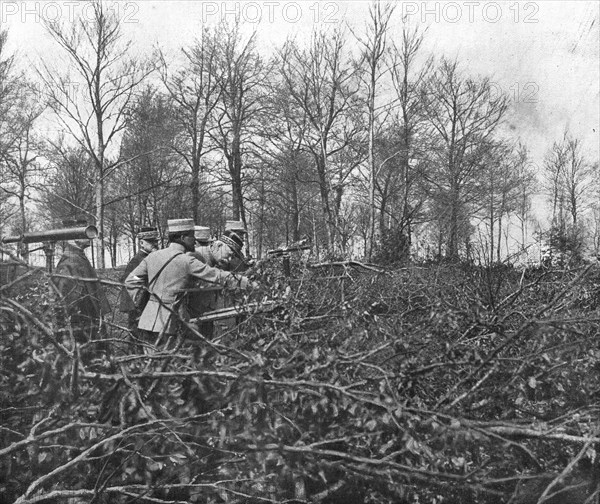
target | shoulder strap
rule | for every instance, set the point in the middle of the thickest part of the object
(162, 268)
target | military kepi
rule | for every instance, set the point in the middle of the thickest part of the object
(236, 226)
(148, 233)
(202, 233)
(177, 226)
(234, 242)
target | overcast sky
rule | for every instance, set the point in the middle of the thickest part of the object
(545, 54)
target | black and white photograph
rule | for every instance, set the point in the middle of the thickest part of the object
(299, 252)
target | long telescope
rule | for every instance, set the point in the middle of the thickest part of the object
(53, 235)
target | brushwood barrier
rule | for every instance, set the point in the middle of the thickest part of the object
(423, 384)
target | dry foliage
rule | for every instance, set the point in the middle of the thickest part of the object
(436, 384)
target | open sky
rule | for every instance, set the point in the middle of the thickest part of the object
(544, 54)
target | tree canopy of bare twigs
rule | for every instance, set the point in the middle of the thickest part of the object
(90, 98)
(463, 114)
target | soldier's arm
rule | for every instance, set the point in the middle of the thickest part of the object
(202, 271)
(137, 279)
(72, 291)
(135, 261)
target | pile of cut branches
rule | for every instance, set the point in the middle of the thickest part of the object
(440, 385)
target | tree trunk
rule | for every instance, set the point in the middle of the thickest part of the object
(195, 188)
(24, 247)
(235, 170)
(99, 200)
(492, 247)
(452, 252)
(295, 211)
(324, 192)
(382, 207)
(372, 172)
(499, 241)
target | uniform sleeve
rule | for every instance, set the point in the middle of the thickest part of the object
(134, 263)
(125, 302)
(201, 271)
(72, 291)
(137, 279)
(102, 299)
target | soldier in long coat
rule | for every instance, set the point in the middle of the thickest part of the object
(179, 272)
(148, 242)
(84, 301)
(203, 240)
(218, 254)
(236, 230)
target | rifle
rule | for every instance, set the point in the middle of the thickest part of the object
(234, 311)
(293, 247)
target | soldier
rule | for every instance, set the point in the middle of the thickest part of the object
(203, 240)
(148, 242)
(217, 254)
(239, 263)
(85, 301)
(235, 226)
(168, 273)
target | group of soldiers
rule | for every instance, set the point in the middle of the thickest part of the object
(162, 287)
(183, 280)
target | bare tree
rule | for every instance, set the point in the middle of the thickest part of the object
(568, 184)
(69, 188)
(408, 159)
(524, 169)
(99, 58)
(373, 49)
(322, 83)
(463, 114)
(499, 186)
(243, 74)
(595, 208)
(554, 166)
(287, 181)
(149, 183)
(18, 159)
(8, 88)
(577, 179)
(195, 88)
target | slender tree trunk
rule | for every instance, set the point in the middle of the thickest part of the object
(115, 238)
(235, 169)
(324, 192)
(382, 208)
(406, 219)
(372, 171)
(24, 246)
(295, 211)
(101, 147)
(452, 251)
(492, 231)
(195, 188)
(499, 241)
(99, 199)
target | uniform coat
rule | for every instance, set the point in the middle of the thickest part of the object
(126, 304)
(85, 301)
(237, 265)
(204, 298)
(169, 289)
